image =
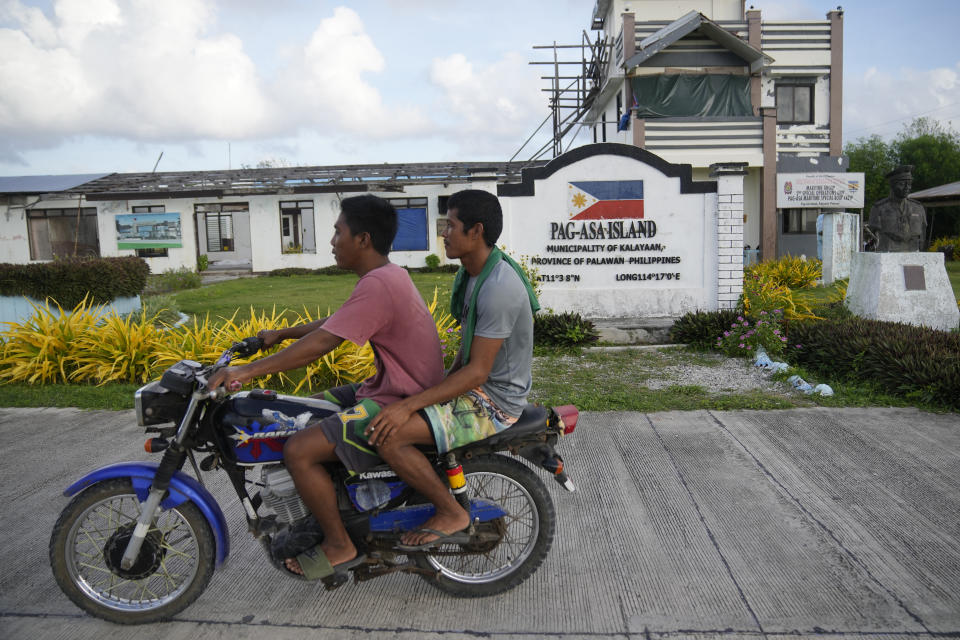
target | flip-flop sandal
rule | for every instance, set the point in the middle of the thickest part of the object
(316, 566)
(457, 537)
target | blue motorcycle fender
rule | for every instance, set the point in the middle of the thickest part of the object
(183, 488)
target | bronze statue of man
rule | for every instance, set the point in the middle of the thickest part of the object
(898, 222)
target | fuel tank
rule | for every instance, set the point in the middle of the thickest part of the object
(254, 425)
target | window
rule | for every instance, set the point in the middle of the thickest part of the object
(603, 125)
(150, 253)
(411, 224)
(442, 209)
(296, 227)
(619, 106)
(219, 224)
(794, 103)
(62, 232)
(800, 220)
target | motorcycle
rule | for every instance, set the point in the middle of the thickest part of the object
(139, 541)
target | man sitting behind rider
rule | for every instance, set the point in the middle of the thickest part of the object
(385, 309)
(486, 389)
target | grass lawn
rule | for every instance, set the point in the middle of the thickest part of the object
(953, 272)
(593, 380)
(318, 294)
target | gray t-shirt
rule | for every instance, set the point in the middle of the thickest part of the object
(503, 311)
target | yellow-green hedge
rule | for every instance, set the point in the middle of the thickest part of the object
(88, 346)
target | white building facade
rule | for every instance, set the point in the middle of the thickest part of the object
(254, 219)
(708, 81)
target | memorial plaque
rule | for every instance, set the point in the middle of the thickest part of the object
(913, 278)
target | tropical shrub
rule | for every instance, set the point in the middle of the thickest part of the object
(789, 271)
(563, 329)
(447, 329)
(162, 308)
(200, 339)
(763, 294)
(80, 347)
(174, 280)
(71, 280)
(950, 247)
(700, 328)
(43, 348)
(290, 271)
(915, 362)
(119, 349)
(433, 261)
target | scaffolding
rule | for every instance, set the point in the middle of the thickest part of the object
(571, 96)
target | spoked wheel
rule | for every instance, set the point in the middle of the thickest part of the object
(525, 534)
(88, 542)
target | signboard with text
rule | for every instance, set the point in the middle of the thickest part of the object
(815, 190)
(149, 231)
(615, 231)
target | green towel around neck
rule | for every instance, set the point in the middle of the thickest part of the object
(458, 297)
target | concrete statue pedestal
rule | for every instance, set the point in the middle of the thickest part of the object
(911, 287)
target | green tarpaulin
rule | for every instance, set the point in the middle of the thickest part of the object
(691, 95)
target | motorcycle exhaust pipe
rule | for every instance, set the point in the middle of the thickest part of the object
(549, 460)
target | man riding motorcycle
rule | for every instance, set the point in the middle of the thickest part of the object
(486, 389)
(385, 309)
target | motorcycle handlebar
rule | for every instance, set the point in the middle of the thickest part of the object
(247, 346)
(244, 348)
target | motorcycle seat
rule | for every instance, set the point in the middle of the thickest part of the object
(532, 421)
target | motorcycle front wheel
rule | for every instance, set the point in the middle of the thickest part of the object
(526, 533)
(86, 547)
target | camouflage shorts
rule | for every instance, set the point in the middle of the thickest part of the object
(465, 419)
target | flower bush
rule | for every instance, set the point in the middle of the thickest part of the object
(745, 335)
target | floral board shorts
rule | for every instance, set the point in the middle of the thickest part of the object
(345, 429)
(465, 419)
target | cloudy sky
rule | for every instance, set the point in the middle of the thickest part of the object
(107, 85)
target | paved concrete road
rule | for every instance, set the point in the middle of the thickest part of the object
(811, 522)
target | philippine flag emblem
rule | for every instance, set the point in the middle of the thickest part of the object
(605, 199)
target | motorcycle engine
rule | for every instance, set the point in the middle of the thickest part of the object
(280, 494)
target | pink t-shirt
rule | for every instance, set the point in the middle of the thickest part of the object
(386, 309)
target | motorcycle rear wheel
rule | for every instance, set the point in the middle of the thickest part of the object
(528, 532)
(172, 570)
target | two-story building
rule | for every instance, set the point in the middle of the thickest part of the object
(704, 81)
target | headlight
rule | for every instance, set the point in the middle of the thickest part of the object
(156, 405)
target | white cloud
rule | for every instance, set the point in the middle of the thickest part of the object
(882, 102)
(149, 71)
(490, 106)
(326, 84)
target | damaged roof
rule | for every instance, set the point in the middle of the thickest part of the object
(289, 180)
(668, 35)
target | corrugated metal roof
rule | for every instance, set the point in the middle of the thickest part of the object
(293, 180)
(950, 190)
(46, 184)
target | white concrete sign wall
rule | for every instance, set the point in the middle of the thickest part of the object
(618, 232)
